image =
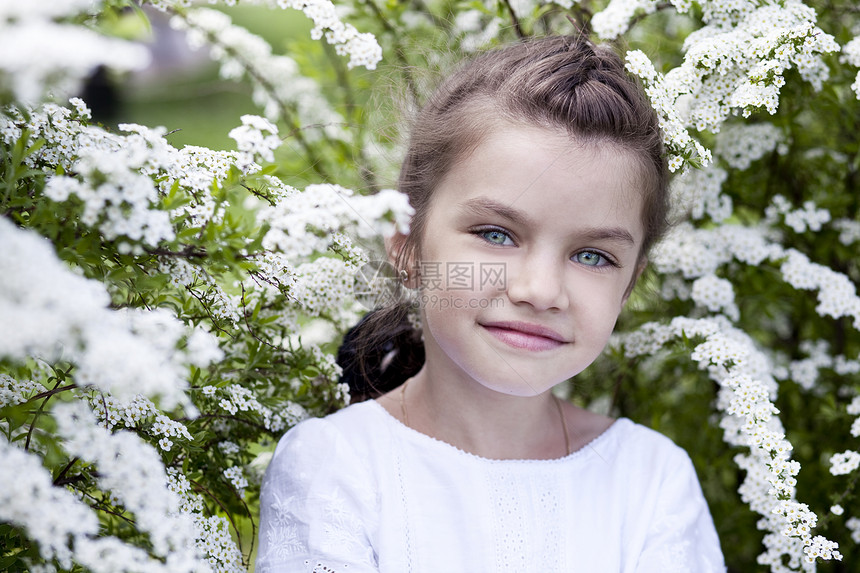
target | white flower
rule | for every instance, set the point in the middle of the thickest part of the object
(699, 193)
(60, 312)
(361, 47)
(739, 145)
(853, 524)
(237, 479)
(851, 55)
(212, 534)
(14, 391)
(746, 393)
(228, 447)
(735, 62)
(849, 231)
(50, 515)
(275, 79)
(821, 548)
(39, 57)
(256, 138)
(615, 18)
(715, 294)
(844, 463)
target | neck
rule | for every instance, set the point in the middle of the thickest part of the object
(484, 422)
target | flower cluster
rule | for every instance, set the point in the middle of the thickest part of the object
(257, 139)
(48, 514)
(853, 524)
(61, 313)
(849, 231)
(43, 53)
(133, 474)
(362, 48)
(235, 398)
(304, 221)
(715, 294)
(14, 391)
(476, 29)
(854, 410)
(844, 463)
(809, 217)
(698, 252)
(212, 534)
(664, 96)
(695, 252)
(851, 55)
(614, 20)
(140, 414)
(120, 179)
(279, 88)
(739, 145)
(123, 360)
(698, 192)
(735, 63)
(237, 479)
(750, 420)
(315, 220)
(837, 295)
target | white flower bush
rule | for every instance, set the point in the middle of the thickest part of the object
(167, 313)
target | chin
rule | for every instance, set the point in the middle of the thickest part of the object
(516, 388)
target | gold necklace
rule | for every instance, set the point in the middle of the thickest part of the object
(555, 399)
(563, 424)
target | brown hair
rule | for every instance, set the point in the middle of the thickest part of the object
(561, 83)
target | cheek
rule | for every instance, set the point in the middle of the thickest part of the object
(597, 306)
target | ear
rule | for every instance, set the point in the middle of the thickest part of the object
(396, 248)
(640, 268)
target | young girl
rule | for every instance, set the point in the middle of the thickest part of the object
(538, 181)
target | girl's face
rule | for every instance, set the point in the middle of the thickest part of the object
(529, 251)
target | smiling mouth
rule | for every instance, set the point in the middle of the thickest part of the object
(525, 336)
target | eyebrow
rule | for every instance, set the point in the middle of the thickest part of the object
(482, 206)
(615, 234)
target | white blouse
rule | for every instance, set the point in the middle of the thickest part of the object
(358, 492)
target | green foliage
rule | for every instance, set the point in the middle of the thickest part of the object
(257, 314)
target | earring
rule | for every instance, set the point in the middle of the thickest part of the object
(412, 301)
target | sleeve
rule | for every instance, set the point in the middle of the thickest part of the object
(318, 509)
(681, 536)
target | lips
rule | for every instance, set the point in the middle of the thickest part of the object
(525, 336)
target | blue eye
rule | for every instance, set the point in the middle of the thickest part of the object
(591, 259)
(495, 236)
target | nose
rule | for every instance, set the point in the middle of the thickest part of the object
(539, 282)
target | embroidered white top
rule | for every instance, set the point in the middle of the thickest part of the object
(359, 492)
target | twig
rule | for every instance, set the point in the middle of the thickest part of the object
(248, 324)
(189, 252)
(39, 413)
(100, 505)
(209, 313)
(230, 417)
(642, 16)
(398, 52)
(515, 21)
(229, 515)
(59, 479)
(55, 390)
(349, 103)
